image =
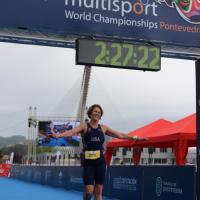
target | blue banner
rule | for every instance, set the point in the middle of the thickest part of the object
(122, 182)
(60, 177)
(174, 183)
(75, 179)
(198, 126)
(125, 182)
(162, 21)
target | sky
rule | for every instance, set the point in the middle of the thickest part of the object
(47, 78)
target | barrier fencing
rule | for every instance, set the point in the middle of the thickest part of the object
(122, 182)
(5, 170)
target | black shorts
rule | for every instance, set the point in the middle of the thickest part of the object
(94, 171)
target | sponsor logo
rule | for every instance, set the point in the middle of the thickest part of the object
(97, 11)
(158, 186)
(47, 175)
(60, 175)
(163, 186)
(135, 13)
(124, 7)
(124, 183)
(189, 10)
(78, 180)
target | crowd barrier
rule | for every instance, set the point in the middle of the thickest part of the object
(122, 182)
(5, 170)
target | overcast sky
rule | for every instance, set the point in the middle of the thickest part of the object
(47, 77)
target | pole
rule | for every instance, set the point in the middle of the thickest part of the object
(84, 93)
(34, 133)
(83, 99)
(29, 134)
(197, 65)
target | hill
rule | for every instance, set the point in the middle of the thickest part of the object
(12, 140)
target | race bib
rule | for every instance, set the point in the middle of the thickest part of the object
(92, 154)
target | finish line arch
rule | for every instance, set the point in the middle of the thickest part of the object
(60, 23)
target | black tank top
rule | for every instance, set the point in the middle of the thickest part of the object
(93, 139)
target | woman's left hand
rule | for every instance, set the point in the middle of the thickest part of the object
(136, 138)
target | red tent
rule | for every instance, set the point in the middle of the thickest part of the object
(178, 135)
(145, 131)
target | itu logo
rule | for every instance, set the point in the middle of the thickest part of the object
(158, 186)
(189, 10)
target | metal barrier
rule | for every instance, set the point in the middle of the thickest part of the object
(122, 182)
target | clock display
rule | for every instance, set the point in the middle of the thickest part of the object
(118, 55)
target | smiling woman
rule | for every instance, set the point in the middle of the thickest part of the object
(93, 162)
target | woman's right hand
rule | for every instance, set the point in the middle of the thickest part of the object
(54, 135)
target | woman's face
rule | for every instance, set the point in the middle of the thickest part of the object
(96, 114)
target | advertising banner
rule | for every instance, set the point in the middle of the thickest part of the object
(164, 21)
(61, 177)
(198, 125)
(125, 182)
(15, 172)
(174, 183)
(122, 182)
(46, 128)
(56, 176)
(75, 179)
(37, 174)
(5, 169)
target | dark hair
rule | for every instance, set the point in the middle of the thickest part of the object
(91, 108)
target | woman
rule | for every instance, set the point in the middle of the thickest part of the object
(93, 162)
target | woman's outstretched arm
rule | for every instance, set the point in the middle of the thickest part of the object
(78, 129)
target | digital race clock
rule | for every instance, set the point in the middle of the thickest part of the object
(118, 55)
